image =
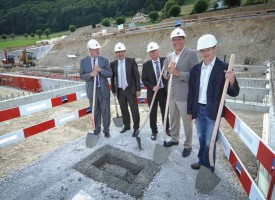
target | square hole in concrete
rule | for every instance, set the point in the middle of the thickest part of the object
(119, 170)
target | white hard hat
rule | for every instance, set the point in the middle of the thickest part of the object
(93, 44)
(206, 41)
(152, 46)
(178, 32)
(120, 47)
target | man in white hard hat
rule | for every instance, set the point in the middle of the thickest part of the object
(179, 64)
(96, 66)
(205, 91)
(151, 72)
(126, 85)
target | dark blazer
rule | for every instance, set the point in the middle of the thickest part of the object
(214, 89)
(149, 78)
(104, 74)
(132, 75)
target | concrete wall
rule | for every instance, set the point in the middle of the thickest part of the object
(251, 94)
(50, 84)
(248, 82)
(6, 104)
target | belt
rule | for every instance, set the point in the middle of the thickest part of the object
(202, 105)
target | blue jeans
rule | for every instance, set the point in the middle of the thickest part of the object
(205, 127)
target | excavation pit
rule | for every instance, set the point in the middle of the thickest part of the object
(120, 170)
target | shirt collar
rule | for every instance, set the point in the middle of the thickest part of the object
(211, 64)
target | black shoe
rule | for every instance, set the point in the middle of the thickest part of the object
(124, 129)
(170, 143)
(196, 166)
(186, 152)
(106, 134)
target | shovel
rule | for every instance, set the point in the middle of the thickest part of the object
(91, 138)
(118, 120)
(152, 102)
(161, 153)
(207, 180)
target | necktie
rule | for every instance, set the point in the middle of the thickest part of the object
(123, 81)
(158, 71)
(97, 80)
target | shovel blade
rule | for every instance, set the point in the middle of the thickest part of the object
(91, 140)
(118, 121)
(161, 154)
(138, 142)
(206, 180)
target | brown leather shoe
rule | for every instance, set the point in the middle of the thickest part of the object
(153, 136)
(196, 166)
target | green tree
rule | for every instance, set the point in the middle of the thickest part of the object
(232, 3)
(12, 35)
(180, 2)
(105, 22)
(154, 15)
(200, 6)
(174, 11)
(26, 35)
(39, 32)
(150, 8)
(32, 35)
(215, 6)
(72, 28)
(4, 36)
(168, 5)
(47, 32)
(120, 20)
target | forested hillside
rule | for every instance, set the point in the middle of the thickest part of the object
(26, 16)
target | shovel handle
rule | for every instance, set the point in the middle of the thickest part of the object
(93, 107)
(167, 103)
(116, 106)
(153, 100)
(218, 119)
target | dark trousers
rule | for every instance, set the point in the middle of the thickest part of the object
(160, 100)
(125, 97)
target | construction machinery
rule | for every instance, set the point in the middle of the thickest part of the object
(27, 59)
(8, 61)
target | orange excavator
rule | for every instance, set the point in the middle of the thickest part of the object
(8, 61)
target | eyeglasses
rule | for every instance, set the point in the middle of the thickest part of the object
(208, 50)
(177, 38)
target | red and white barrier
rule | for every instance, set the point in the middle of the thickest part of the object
(262, 152)
(38, 128)
(40, 105)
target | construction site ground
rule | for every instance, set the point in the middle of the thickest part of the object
(245, 37)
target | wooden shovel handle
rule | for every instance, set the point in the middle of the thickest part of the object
(153, 100)
(218, 119)
(116, 105)
(93, 106)
(167, 103)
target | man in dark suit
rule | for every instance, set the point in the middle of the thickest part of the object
(126, 85)
(206, 84)
(151, 72)
(96, 66)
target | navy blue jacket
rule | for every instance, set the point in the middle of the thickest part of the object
(214, 89)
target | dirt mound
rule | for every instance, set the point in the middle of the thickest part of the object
(250, 37)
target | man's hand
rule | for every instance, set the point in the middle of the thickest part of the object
(97, 68)
(172, 69)
(155, 88)
(94, 73)
(138, 93)
(230, 75)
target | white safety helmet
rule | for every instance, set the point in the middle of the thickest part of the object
(206, 41)
(93, 44)
(152, 46)
(120, 47)
(178, 32)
